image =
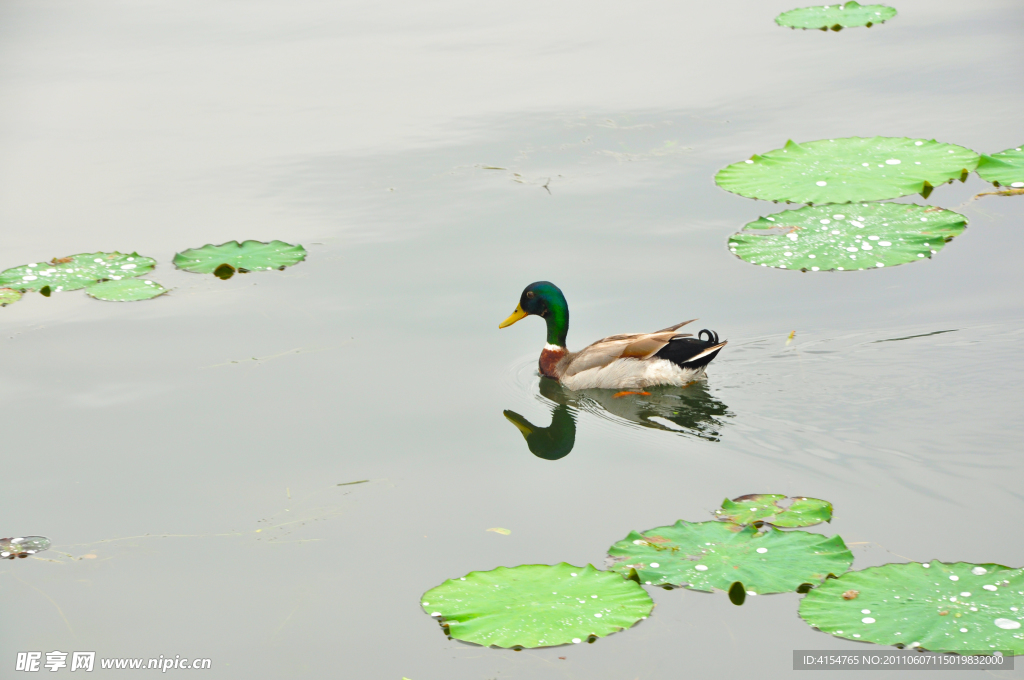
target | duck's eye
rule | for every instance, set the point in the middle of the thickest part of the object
(530, 294)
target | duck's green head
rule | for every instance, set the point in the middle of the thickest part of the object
(545, 300)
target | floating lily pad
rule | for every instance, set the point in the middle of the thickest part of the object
(958, 607)
(836, 17)
(536, 605)
(862, 236)
(22, 546)
(8, 296)
(76, 271)
(1005, 168)
(709, 555)
(125, 290)
(774, 509)
(249, 256)
(848, 169)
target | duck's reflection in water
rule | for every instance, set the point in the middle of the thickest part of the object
(689, 410)
(552, 442)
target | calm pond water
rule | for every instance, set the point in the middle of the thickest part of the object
(191, 448)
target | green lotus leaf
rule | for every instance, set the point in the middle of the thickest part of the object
(848, 169)
(22, 546)
(125, 290)
(248, 256)
(768, 508)
(1005, 168)
(942, 607)
(862, 236)
(76, 271)
(536, 605)
(8, 296)
(709, 555)
(836, 17)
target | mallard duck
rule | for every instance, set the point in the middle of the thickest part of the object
(618, 362)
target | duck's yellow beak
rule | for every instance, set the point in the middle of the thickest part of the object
(524, 425)
(515, 316)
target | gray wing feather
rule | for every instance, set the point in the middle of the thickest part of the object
(630, 345)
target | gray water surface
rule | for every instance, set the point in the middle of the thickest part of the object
(185, 454)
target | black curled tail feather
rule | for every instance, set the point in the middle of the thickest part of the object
(686, 352)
